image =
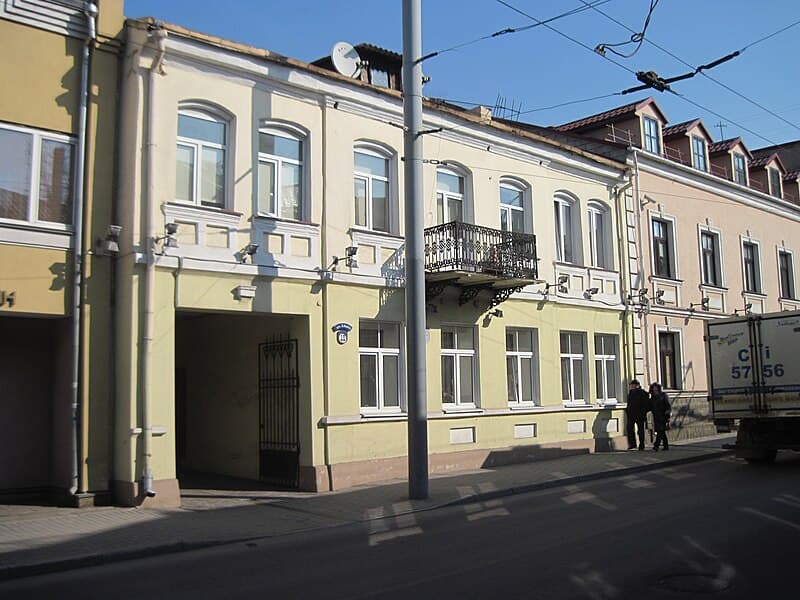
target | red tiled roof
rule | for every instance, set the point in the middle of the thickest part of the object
(609, 116)
(679, 128)
(723, 145)
(762, 161)
(792, 176)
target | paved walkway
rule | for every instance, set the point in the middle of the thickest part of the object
(38, 539)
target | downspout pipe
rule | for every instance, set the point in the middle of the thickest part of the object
(159, 35)
(619, 191)
(90, 12)
(637, 197)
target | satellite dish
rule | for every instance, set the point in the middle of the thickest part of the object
(345, 59)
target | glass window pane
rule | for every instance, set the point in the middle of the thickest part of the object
(361, 201)
(512, 379)
(55, 182)
(266, 188)
(517, 221)
(564, 338)
(380, 198)
(598, 376)
(391, 395)
(282, 146)
(511, 340)
(565, 379)
(448, 339)
(466, 338)
(201, 129)
(16, 154)
(454, 209)
(439, 208)
(291, 191)
(576, 343)
(371, 165)
(611, 378)
(448, 380)
(369, 382)
(446, 182)
(465, 379)
(390, 336)
(525, 341)
(504, 219)
(368, 335)
(577, 378)
(511, 196)
(184, 173)
(526, 377)
(212, 185)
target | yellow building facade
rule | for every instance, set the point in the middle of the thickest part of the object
(260, 279)
(57, 122)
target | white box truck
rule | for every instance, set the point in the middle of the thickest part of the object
(753, 364)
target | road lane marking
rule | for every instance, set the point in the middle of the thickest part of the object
(615, 465)
(382, 529)
(770, 517)
(594, 584)
(671, 473)
(482, 509)
(793, 501)
(634, 482)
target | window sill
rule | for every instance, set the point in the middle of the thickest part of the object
(664, 279)
(362, 230)
(761, 295)
(578, 405)
(201, 208)
(277, 219)
(383, 415)
(456, 409)
(523, 406)
(713, 288)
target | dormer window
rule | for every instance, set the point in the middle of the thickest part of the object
(774, 182)
(739, 169)
(699, 158)
(651, 141)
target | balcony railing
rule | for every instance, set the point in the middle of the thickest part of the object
(463, 247)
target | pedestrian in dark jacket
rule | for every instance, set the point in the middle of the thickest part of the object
(636, 413)
(661, 414)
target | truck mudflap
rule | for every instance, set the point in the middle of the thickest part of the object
(759, 439)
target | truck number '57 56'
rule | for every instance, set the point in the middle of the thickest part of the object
(743, 371)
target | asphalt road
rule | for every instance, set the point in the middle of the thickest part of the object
(715, 529)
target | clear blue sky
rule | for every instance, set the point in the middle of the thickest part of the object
(540, 68)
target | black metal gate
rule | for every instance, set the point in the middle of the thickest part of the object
(278, 407)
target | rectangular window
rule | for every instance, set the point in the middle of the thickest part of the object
(280, 175)
(699, 153)
(512, 210)
(663, 248)
(709, 256)
(669, 359)
(739, 169)
(752, 274)
(573, 367)
(521, 366)
(605, 366)
(651, 142)
(563, 221)
(379, 365)
(775, 183)
(371, 190)
(36, 176)
(458, 366)
(599, 237)
(449, 197)
(786, 270)
(200, 159)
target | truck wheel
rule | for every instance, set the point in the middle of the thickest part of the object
(765, 457)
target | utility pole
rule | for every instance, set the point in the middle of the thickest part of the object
(416, 373)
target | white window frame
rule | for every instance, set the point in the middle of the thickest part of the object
(718, 262)
(699, 157)
(757, 266)
(207, 114)
(368, 178)
(792, 280)
(743, 171)
(517, 356)
(509, 210)
(778, 177)
(598, 209)
(456, 353)
(604, 360)
(448, 195)
(32, 212)
(648, 137)
(678, 336)
(290, 132)
(572, 357)
(379, 353)
(672, 245)
(561, 201)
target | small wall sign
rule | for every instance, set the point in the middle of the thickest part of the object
(342, 330)
(9, 298)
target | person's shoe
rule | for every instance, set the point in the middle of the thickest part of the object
(631, 447)
(666, 448)
(641, 447)
(655, 448)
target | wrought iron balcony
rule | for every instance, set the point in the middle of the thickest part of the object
(479, 258)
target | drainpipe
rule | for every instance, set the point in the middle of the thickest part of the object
(90, 11)
(638, 207)
(324, 284)
(619, 191)
(160, 37)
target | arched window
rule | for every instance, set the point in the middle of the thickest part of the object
(372, 187)
(567, 230)
(514, 209)
(450, 195)
(600, 247)
(201, 157)
(281, 189)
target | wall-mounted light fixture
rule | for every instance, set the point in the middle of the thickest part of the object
(638, 297)
(748, 307)
(559, 285)
(249, 250)
(590, 292)
(109, 245)
(169, 239)
(349, 257)
(659, 297)
(702, 304)
(496, 313)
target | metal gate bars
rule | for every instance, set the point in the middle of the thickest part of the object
(278, 407)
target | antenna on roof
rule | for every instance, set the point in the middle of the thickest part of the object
(721, 125)
(346, 60)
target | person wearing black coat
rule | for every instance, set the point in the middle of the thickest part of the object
(636, 413)
(661, 414)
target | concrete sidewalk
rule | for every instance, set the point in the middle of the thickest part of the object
(37, 539)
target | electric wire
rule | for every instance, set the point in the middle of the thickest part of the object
(704, 74)
(637, 37)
